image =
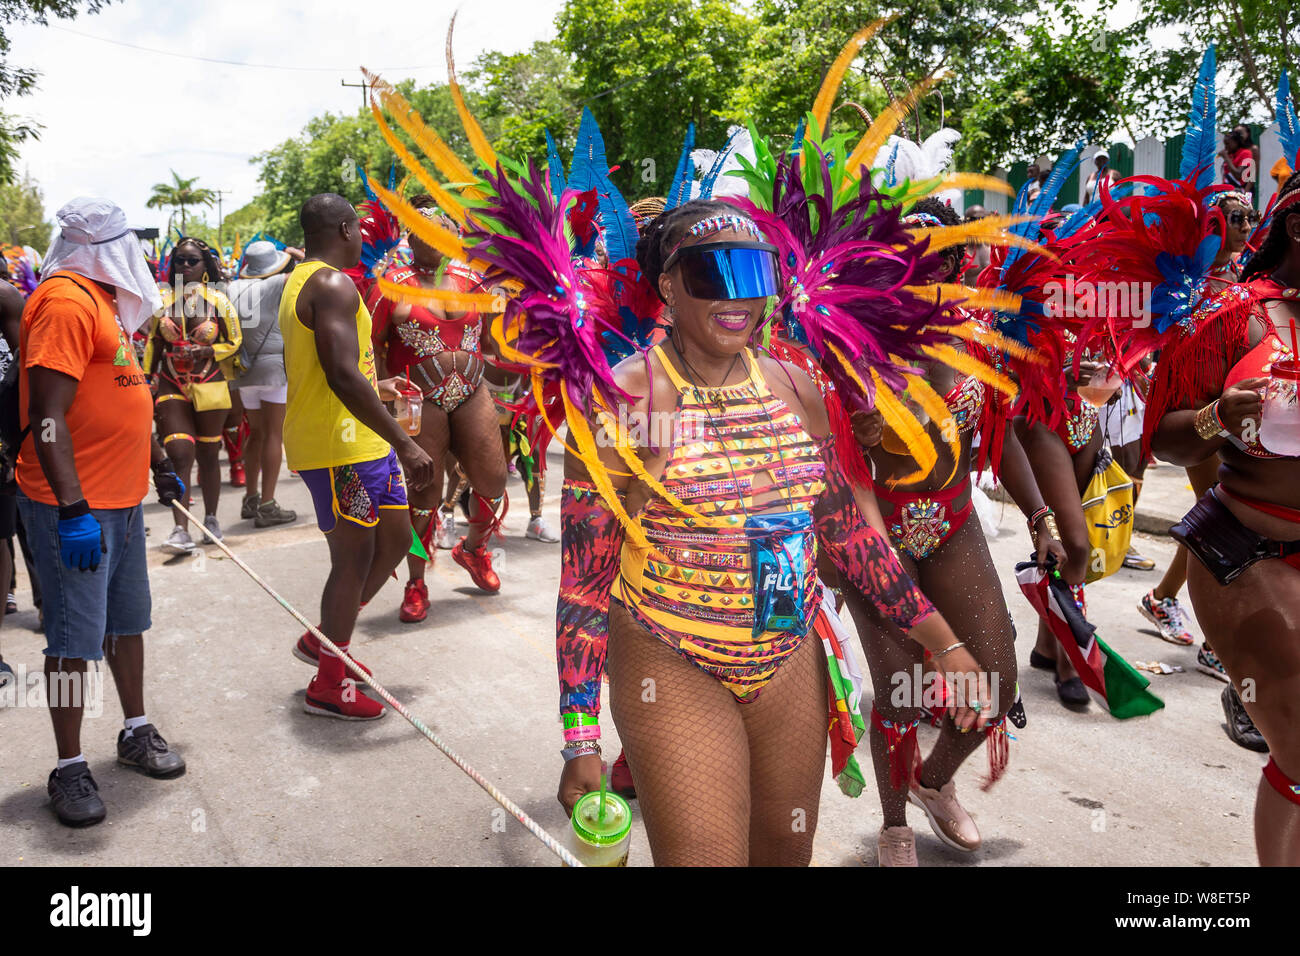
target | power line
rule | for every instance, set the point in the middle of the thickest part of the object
(255, 66)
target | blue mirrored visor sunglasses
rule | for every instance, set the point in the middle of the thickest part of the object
(720, 271)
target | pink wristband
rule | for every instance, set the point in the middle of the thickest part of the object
(589, 732)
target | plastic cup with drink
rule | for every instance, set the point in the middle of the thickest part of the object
(1101, 386)
(601, 827)
(408, 407)
(1279, 427)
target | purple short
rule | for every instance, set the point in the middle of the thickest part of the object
(355, 492)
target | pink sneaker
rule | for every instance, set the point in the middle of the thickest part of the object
(951, 823)
(896, 846)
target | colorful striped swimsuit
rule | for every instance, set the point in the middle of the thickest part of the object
(743, 452)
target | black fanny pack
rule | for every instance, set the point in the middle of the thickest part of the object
(1226, 547)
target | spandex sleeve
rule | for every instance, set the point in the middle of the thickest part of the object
(863, 555)
(591, 540)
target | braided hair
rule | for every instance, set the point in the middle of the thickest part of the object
(1273, 250)
(211, 263)
(669, 228)
(932, 206)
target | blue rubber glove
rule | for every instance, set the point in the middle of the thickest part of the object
(80, 541)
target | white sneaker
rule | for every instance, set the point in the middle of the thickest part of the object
(447, 536)
(210, 522)
(539, 531)
(178, 542)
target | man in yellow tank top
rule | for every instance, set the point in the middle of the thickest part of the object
(343, 443)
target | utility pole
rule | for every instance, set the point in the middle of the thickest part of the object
(221, 194)
(365, 89)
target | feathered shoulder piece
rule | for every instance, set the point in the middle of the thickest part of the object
(551, 315)
(1139, 268)
(1192, 364)
(381, 236)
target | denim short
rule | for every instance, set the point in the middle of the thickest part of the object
(355, 492)
(83, 607)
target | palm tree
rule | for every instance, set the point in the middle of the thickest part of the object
(180, 192)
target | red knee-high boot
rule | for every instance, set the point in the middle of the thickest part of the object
(485, 521)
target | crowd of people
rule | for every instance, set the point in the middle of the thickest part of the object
(841, 350)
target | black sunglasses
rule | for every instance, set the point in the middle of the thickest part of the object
(189, 260)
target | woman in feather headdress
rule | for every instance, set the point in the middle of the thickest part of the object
(1245, 532)
(438, 348)
(948, 557)
(739, 681)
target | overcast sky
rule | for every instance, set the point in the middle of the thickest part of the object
(117, 120)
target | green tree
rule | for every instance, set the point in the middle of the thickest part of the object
(646, 68)
(180, 193)
(1053, 87)
(528, 93)
(324, 157)
(1015, 87)
(18, 80)
(22, 215)
(1255, 40)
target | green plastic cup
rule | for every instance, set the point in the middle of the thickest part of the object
(598, 842)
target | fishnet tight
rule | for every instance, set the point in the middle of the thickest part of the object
(963, 584)
(719, 783)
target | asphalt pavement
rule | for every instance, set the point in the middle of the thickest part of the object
(270, 784)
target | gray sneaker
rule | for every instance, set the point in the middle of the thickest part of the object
(74, 795)
(210, 522)
(248, 507)
(270, 513)
(146, 749)
(178, 542)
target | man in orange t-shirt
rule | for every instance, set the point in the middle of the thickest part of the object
(82, 473)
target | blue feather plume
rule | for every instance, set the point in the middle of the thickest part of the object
(1043, 203)
(680, 190)
(1201, 138)
(555, 165)
(1288, 126)
(590, 170)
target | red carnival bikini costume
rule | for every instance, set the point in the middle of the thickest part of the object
(414, 348)
(1223, 325)
(415, 344)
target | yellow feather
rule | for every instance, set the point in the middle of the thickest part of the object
(934, 405)
(974, 332)
(990, 229)
(972, 366)
(879, 131)
(477, 140)
(446, 201)
(975, 181)
(909, 430)
(590, 457)
(633, 460)
(413, 295)
(970, 298)
(835, 75)
(510, 353)
(445, 241)
(440, 154)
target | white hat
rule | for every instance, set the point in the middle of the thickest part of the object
(94, 241)
(262, 259)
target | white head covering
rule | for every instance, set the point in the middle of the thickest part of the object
(94, 241)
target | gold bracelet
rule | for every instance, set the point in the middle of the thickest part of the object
(1207, 424)
(1051, 527)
